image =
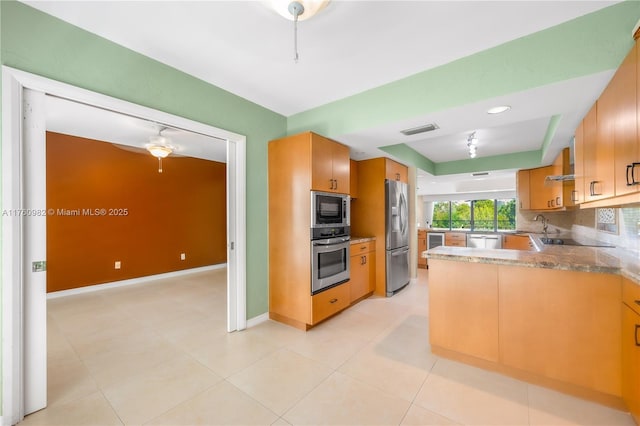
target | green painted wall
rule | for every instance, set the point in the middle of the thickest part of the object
(38, 43)
(586, 45)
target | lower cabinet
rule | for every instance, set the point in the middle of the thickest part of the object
(517, 242)
(564, 325)
(463, 307)
(631, 348)
(455, 239)
(362, 270)
(422, 246)
(330, 302)
(556, 328)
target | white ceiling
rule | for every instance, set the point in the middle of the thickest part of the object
(72, 118)
(352, 46)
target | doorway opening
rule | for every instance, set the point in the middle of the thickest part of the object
(24, 233)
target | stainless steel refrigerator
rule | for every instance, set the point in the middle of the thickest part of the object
(397, 235)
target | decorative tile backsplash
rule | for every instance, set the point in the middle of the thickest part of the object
(607, 220)
(592, 224)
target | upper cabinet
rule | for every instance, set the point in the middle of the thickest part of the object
(578, 164)
(598, 159)
(329, 166)
(523, 189)
(536, 192)
(353, 186)
(607, 146)
(626, 147)
(396, 171)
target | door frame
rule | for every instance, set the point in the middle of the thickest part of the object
(13, 243)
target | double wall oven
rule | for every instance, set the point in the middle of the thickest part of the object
(330, 235)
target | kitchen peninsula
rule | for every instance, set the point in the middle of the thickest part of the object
(550, 316)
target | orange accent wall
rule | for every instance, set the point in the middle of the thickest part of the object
(182, 210)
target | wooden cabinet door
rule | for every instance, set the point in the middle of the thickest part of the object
(564, 325)
(321, 164)
(540, 192)
(353, 179)
(578, 165)
(329, 165)
(599, 147)
(463, 307)
(422, 246)
(626, 126)
(517, 242)
(359, 276)
(523, 189)
(330, 302)
(631, 360)
(362, 269)
(340, 168)
(396, 171)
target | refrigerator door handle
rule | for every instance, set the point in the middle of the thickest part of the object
(403, 214)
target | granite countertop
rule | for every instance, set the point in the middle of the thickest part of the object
(358, 240)
(609, 260)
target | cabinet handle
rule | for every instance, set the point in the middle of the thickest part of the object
(363, 248)
(333, 300)
(520, 204)
(636, 335)
(336, 181)
(592, 188)
(630, 169)
(558, 201)
(331, 182)
(548, 203)
(397, 176)
(574, 195)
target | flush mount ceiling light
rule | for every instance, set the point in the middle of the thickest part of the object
(472, 145)
(297, 10)
(498, 109)
(160, 147)
(421, 129)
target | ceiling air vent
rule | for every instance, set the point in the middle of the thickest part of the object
(422, 129)
(480, 174)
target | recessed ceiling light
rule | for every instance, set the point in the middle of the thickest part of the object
(498, 109)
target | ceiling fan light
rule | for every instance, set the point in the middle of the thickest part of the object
(159, 151)
(311, 7)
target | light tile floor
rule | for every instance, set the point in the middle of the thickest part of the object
(157, 353)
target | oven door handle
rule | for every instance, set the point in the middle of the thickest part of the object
(330, 241)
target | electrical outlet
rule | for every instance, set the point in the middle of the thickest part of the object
(183, 256)
(117, 264)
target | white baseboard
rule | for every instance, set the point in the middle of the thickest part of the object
(252, 322)
(132, 281)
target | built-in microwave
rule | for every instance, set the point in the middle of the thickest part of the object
(329, 210)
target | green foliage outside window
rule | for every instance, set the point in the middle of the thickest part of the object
(479, 215)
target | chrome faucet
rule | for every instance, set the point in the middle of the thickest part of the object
(544, 223)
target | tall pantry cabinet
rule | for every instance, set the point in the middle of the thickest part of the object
(297, 165)
(368, 210)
